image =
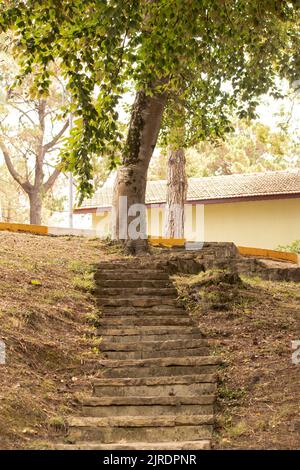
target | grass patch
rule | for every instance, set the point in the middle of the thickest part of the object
(48, 331)
(253, 323)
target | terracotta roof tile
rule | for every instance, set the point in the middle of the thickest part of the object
(215, 187)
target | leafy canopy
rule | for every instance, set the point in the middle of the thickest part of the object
(187, 49)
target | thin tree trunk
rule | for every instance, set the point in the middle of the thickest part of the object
(35, 200)
(9, 212)
(176, 194)
(130, 185)
(6, 212)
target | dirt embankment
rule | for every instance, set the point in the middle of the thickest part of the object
(47, 315)
(252, 324)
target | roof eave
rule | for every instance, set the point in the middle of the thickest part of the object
(223, 200)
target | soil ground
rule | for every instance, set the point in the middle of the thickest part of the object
(48, 315)
(252, 325)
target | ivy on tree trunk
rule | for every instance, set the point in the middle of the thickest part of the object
(131, 179)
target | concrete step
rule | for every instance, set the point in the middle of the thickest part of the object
(144, 428)
(147, 406)
(132, 267)
(129, 283)
(148, 330)
(153, 310)
(132, 275)
(124, 339)
(162, 345)
(117, 265)
(137, 301)
(127, 322)
(188, 385)
(160, 371)
(135, 264)
(169, 366)
(203, 444)
(140, 354)
(148, 401)
(161, 362)
(135, 291)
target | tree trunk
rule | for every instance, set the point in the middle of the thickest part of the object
(176, 194)
(129, 221)
(9, 212)
(6, 212)
(35, 200)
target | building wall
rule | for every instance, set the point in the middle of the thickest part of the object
(101, 223)
(259, 224)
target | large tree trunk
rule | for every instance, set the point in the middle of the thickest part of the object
(176, 194)
(129, 221)
(35, 200)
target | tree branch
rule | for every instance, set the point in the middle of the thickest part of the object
(50, 144)
(24, 183)
(51, 180)
(24, 153)
(23, 113)
(41, 109)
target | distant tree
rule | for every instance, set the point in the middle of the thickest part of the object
(12, 204)
(30, 134)
(251, 147)
(158, 165)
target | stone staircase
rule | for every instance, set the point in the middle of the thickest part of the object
(158, 382)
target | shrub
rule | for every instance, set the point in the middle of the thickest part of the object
(294, 247)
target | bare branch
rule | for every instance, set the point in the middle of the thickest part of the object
(23, 113)
(24, 183)
(51, 180)
(50, 144)
(50, 165)
(40, 153)
(54, 149)
(24, 152)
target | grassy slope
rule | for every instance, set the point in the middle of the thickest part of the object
(51, 354)
(46, 313)
(252, 326)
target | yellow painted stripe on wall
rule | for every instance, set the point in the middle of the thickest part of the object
(37, 229)
(168, 242)
(272, 254)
